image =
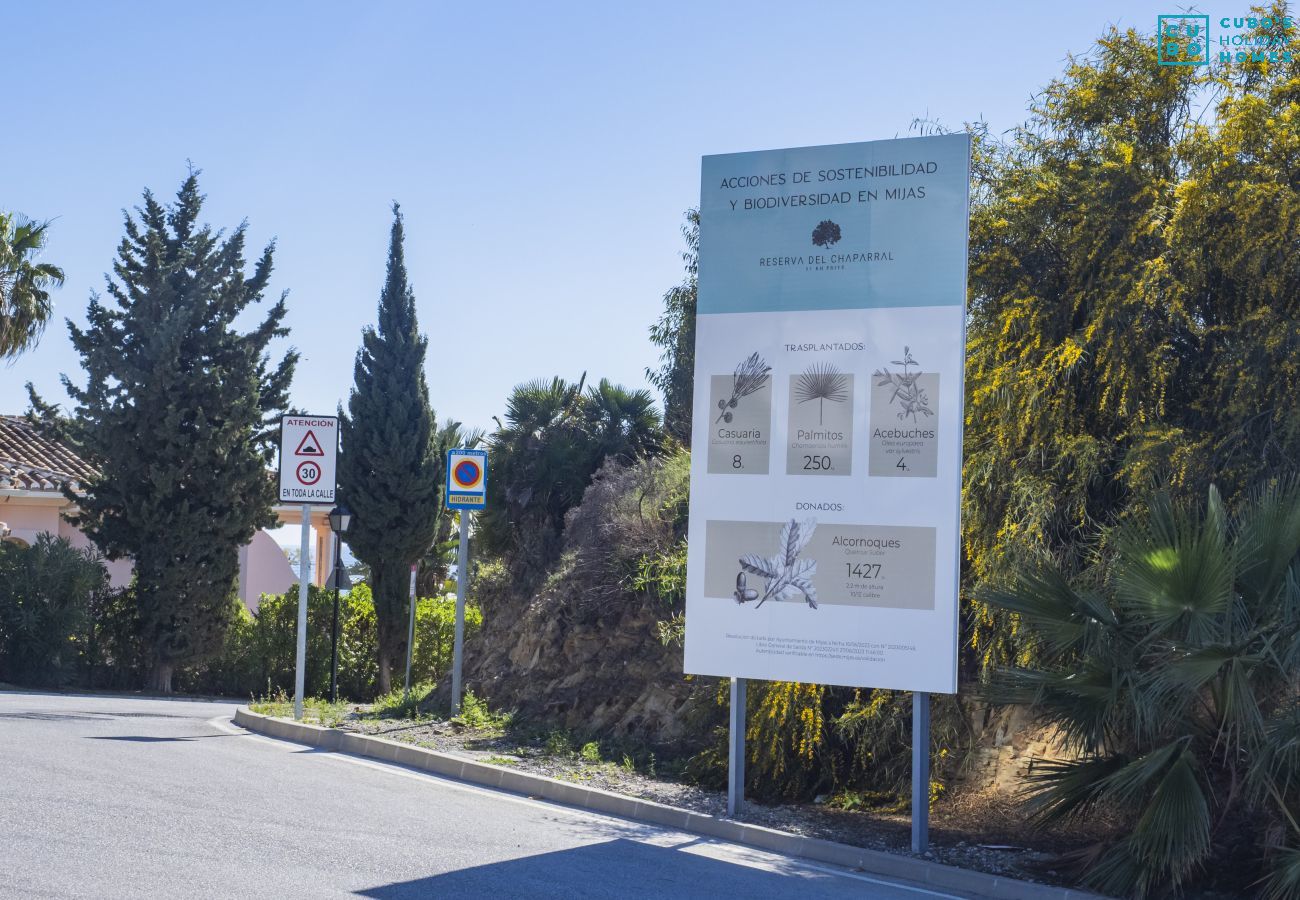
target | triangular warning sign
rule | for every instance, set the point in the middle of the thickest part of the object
(309, 446)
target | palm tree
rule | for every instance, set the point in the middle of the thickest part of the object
(1173, 673)
(554, 438)
(24, 283)
(625, 422)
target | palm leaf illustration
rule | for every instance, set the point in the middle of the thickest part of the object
(822, 382)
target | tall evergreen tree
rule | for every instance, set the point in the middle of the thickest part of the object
(675, 333)
(390, 471)
(177, 415)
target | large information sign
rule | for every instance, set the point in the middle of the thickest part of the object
(826, 473)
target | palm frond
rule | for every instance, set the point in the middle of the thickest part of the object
(1064, 790)
(1274, 772)
(1176, 570)
(1268, 541)
(1172, 837)
(1063, 617)
(1283, 879)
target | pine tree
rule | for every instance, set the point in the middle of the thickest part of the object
(390, 472)
(178, 416)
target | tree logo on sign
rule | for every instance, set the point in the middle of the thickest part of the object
(826, 234)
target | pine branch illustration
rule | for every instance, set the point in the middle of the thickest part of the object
(750, 376)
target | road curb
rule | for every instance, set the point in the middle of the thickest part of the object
(876, 862)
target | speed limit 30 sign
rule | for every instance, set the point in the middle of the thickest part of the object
(308, 453)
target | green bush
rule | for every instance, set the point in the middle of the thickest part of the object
(260, 650)
(47, 591)
(435, 632)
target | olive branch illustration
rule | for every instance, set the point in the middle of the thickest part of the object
(822, 382)
(785, 574)
(907, 391)
(750, 376)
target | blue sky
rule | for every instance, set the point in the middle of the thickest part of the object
(543, 153)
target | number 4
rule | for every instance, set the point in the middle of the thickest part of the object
(901, 465)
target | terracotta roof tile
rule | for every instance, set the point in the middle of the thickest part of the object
(31, 462)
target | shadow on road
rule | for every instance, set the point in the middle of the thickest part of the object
(55, 717)
(150, 739)
(618, 868)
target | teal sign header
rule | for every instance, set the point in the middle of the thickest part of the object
(846, 226)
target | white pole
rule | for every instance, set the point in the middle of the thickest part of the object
(300, 668)
(410, 635)
(462, 577)
(736, 749)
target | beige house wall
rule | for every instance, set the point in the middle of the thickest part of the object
(263, 567)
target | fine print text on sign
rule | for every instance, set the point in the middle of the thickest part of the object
(308, 457)
(466, 479)
(829, 357)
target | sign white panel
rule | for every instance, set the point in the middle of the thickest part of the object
(308, 456)
(826, 469)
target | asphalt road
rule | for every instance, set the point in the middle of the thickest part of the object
(124, 797)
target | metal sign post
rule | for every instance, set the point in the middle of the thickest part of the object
(466, 491)
(736, 749)
(920, 771)
(304, 567)
(462, 576)
(410, 634)
(309, 448)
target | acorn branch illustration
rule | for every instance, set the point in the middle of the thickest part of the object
(821, 382)
(785, 574)
(750, 376)
(909, 394)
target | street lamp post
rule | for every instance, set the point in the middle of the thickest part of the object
(340, 517)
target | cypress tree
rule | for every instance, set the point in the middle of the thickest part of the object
(178, 416)
(389, 468)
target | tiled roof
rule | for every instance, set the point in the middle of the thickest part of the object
(31, 462)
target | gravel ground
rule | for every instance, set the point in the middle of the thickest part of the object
(985, 834)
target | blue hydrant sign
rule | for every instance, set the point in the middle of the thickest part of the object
(466, 479)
